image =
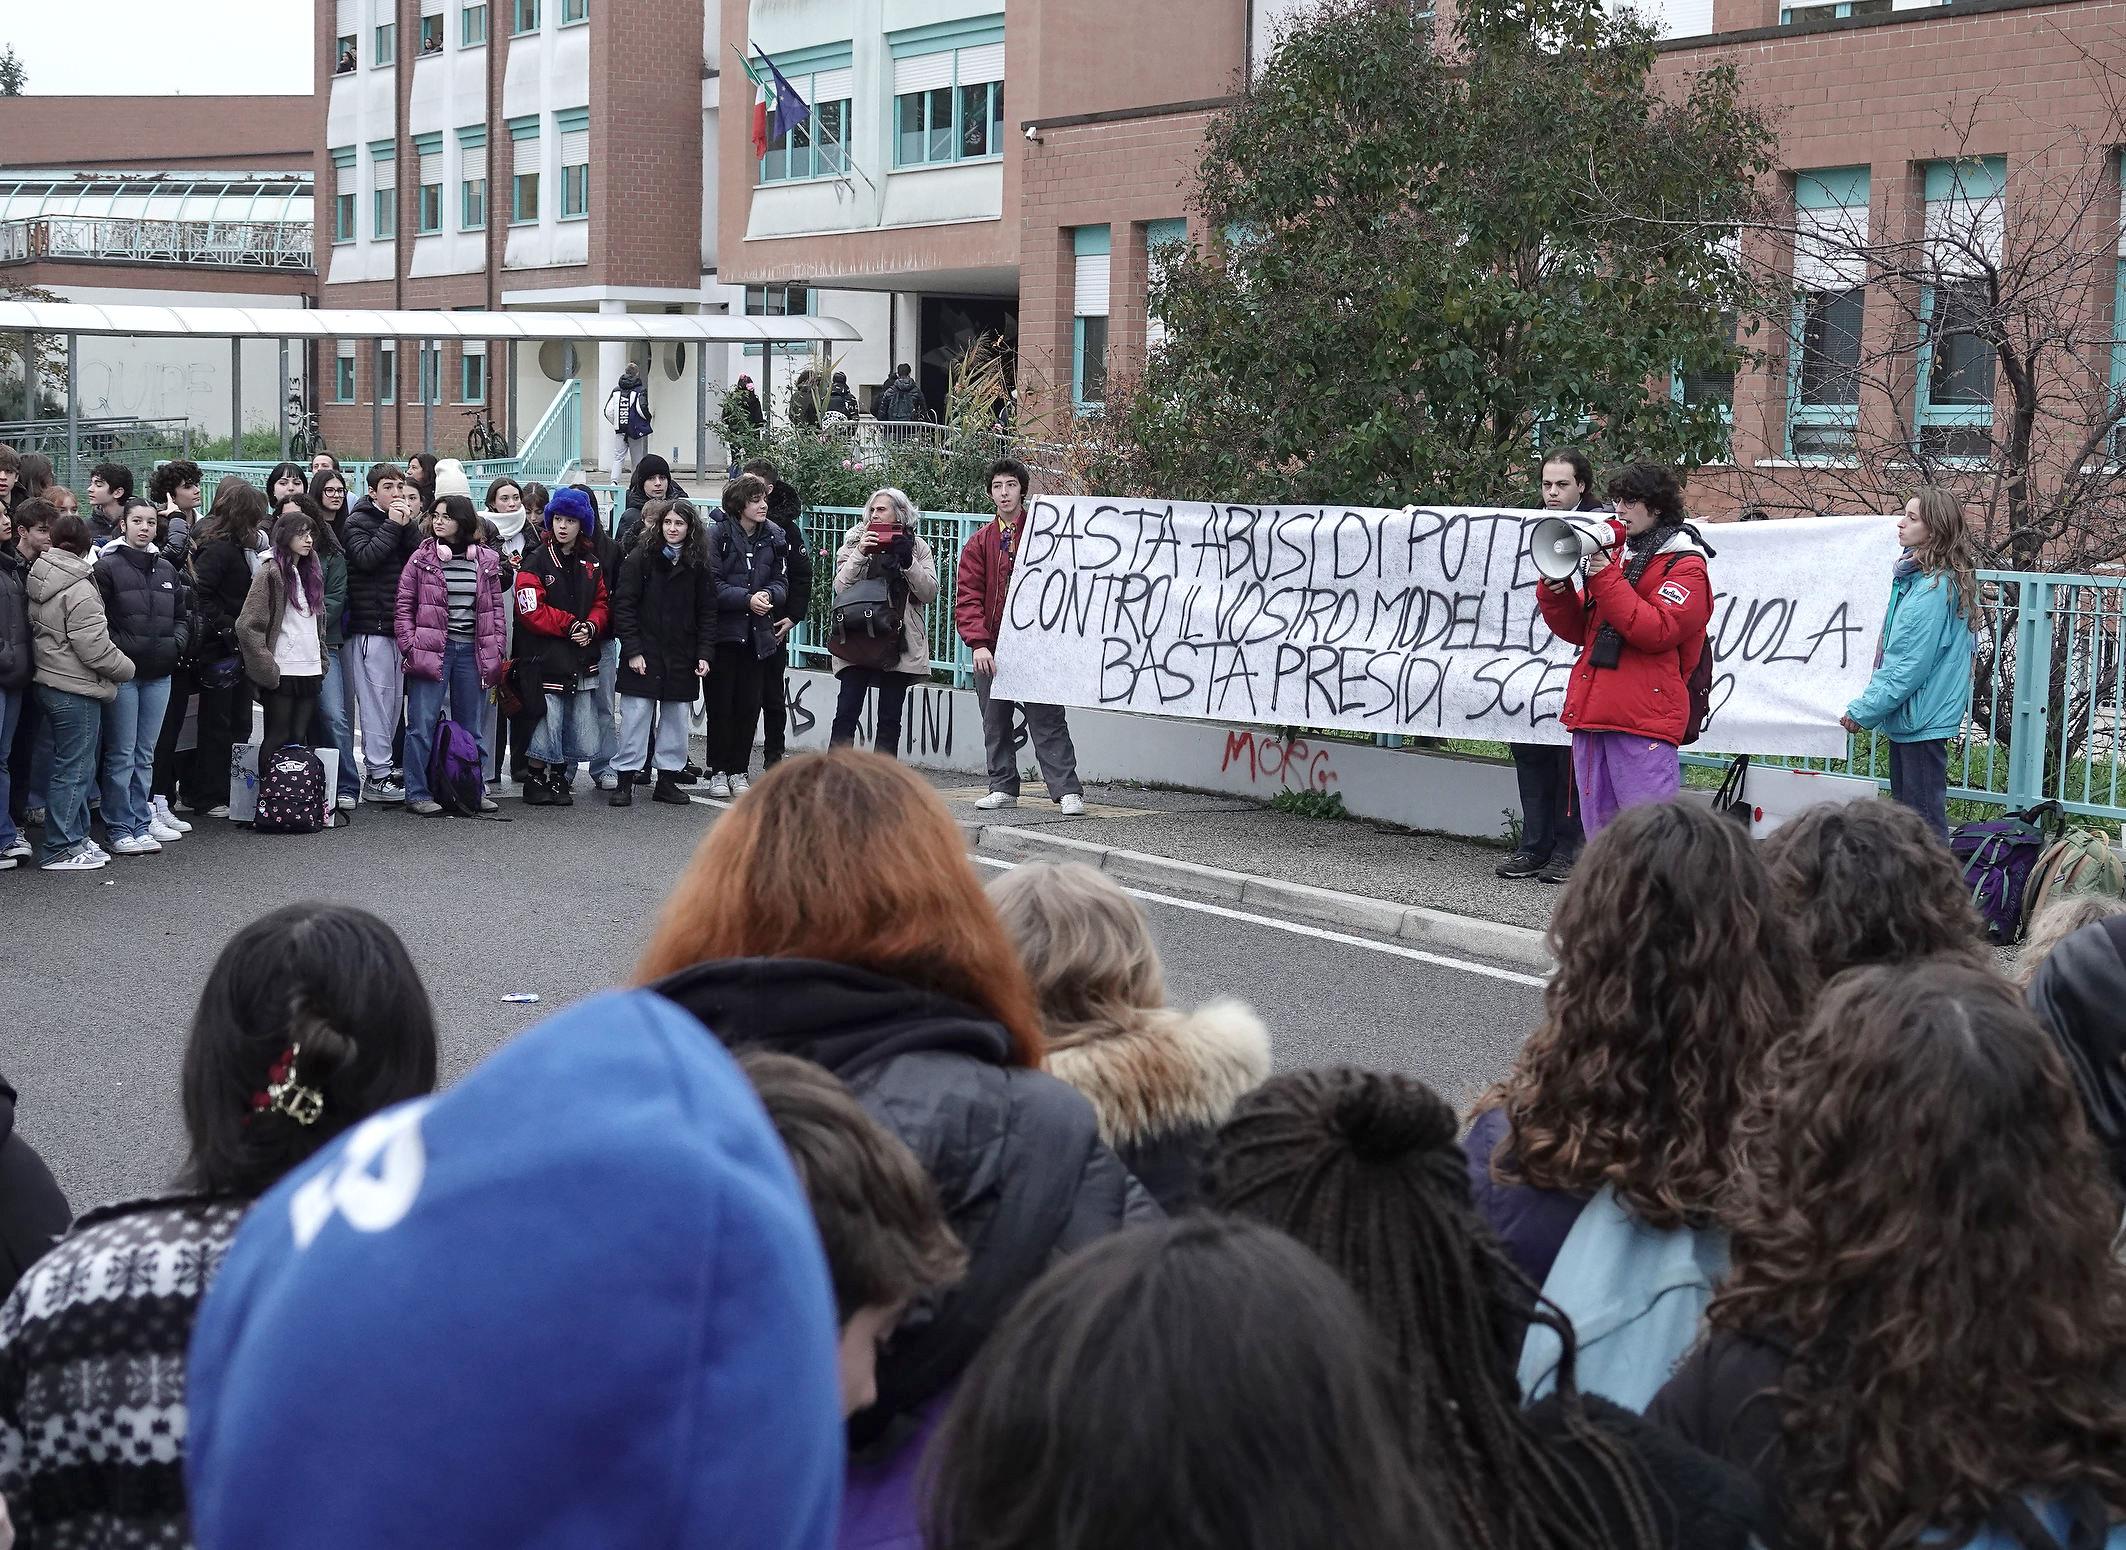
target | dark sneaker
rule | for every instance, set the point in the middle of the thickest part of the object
(1522, 863)
(1556, 869)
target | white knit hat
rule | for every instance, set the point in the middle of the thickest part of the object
(450, 478)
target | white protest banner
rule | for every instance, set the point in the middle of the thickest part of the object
(1421, 622)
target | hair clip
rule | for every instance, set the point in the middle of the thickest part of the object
(285, 1095)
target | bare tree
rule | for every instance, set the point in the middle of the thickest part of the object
(43, 354)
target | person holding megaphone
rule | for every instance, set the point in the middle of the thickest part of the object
(1639, 621)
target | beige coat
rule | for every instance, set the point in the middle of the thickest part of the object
(258, 627)
(851, 565)
(70, 636)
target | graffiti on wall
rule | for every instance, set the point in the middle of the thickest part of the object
(1292, 763)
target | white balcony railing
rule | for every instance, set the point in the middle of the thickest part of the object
(280, 245)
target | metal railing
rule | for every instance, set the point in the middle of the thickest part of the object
(139, 444)
(276, 245)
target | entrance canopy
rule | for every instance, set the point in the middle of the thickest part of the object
(86, 318)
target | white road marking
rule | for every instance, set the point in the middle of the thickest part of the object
(1320, 933)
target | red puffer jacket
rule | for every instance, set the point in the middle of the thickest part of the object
(1663, 623)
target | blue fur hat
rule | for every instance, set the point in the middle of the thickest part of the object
(568, 501)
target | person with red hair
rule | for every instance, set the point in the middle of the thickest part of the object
(832, 914)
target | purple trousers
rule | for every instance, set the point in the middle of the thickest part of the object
(1616, 770)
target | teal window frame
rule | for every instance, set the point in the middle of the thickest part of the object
(574, 13)
(472, 204)
(576, 192)
(343, 383)
(755, 305)
(428, 375)
(523, 18)
(939, 38)
(1841, 188)
(520, 129)
(386, 53)
(1680, 391)
(1087, 350)
(1841, 10)
(801, 156)
(1938, 422)
(343, 217)
(387, 372)
(472, 26)
(469, 366)
(343, 45)
(421, 48)
(427, 197)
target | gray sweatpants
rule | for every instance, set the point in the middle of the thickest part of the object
(1049, 733)
(372, 663)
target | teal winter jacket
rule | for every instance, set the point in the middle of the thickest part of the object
(1922, 682)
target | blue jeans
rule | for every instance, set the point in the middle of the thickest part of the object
(10, 717)
(602, 706)
(570, 730)
(131, 723)
(333, 725)
(460, 685)
(75, 719)
(1919, 778)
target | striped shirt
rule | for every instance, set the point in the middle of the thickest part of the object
(462, 576)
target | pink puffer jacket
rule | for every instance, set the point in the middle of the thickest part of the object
(423, 624)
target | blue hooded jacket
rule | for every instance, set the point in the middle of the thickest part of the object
(578, 1299)
(1922, 682)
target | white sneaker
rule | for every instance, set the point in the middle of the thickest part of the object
(607, 782)
(740, 785)
(168, 819)
(79, 860)
(95, 849)
(344, 802)
(19, 851)
(1072, 806)
(219, 810)
(136, 845)
(995, 800)
(164, 832)
(719, 786)
(8, 863)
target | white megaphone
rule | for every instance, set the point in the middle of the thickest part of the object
(1560, 545)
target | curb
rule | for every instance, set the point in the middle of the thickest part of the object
(1436, 930)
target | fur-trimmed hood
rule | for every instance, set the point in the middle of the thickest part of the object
(1168, 1071)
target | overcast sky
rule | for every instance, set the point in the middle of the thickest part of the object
(147, 48)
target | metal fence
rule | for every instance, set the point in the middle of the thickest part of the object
(282, 245)
(139, 444)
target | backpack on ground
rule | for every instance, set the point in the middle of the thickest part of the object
(455, 777)
(291, 792)
(867, 628)
(1997, 858)
(1634, 1294)
(2079, 861)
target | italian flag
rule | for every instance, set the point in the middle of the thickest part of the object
(765, 88)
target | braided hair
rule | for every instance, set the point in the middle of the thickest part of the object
(1364, 1169)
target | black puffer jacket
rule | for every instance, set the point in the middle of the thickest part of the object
(221, 580)
(2076, 994)
(786, 511)
(666, 614)
(743, 565)
(34, 1214)
(1016, 1154)
(377, 551)
(16, 665)
(146, 605)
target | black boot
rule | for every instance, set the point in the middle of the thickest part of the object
(537, 791)
(623, 793)
(689, 773)
(668, 789)
(558, 793)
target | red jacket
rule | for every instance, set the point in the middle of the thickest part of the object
(1663, 623)
(985, 577)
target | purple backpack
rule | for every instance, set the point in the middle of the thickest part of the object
(455, 777)
(1997, 858)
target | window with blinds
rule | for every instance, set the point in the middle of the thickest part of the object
(343, 373)
(428, 184)
(817, 148)
(472, 178)
(524, 173)
(1830, 303)
(384, 180)
(948, 93)
(1966, 218)
(1090, 247)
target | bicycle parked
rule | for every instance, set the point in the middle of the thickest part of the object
(483, 440)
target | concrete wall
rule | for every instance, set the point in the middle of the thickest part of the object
(1439, 793)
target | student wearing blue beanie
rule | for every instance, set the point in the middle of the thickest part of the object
(578, 1299)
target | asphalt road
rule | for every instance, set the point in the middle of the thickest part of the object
(107, 965)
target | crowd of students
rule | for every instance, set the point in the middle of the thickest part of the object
(890, 1210)
(366, 623)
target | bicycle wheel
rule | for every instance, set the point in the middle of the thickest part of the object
(477, 444)
(299, 448)
(496, 446)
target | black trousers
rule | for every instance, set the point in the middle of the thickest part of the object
(774, 707)
(169, 767)
(1550, 816)
(224, 721)
(733, 707)
(853, 685)
(289, 708)
(18, 757)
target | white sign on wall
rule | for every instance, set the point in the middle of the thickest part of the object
(1419, 622)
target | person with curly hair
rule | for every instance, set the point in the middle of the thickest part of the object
(1922, 681)
(1867, 882)
(1678, 972)
(1924, 1334)
(1362, 1168)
